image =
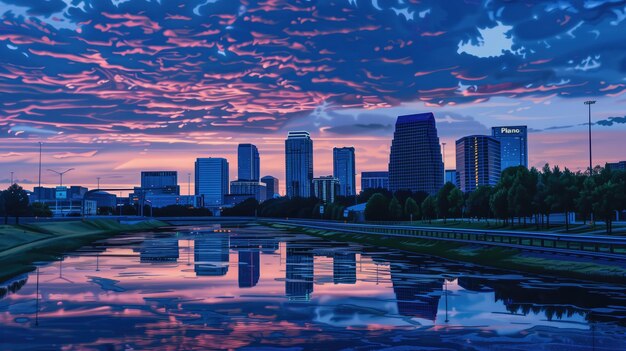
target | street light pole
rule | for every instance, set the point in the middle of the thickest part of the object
(589, 103)
(60, 184)
(11, 178)
(39, 190)
(98, 178)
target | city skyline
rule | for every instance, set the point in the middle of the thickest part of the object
(112, 107)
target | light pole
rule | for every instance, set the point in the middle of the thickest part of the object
(11, 178)
(98, 179)
(39, 190)
(589, 103)
(61, 174)
(188, 188)
(61, 184)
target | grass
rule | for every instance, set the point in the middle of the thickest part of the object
(22, 245)
(497, 257)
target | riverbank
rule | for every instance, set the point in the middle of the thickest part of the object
(22, 245)
(497, 257)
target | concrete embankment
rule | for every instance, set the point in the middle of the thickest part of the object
(21, 245)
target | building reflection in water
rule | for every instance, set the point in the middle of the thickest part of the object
(159, 250)
(417, 296)
(249, 267)
(344, 268)
(299, 275)
(210, 254)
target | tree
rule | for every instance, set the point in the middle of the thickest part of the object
(411, 209)
(395, 209)
(456, 201)
(478, 202)
(247, 207)
(40, 209)
(377, 208)
(606, 202)
(15, 202)
(498, 203)
(429, 208)
(3, 212)
(442, 201)
(570, 191)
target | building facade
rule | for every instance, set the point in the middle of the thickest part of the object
(374, 180)
(326, 188)
(211, 176)
(245, 187)
(344, 170)
(161, 182)
(248, 162)
(415, 161)
(513, 145)
(271, 186)
(477, 162)
(451, 177)
(617, 166)
(299, 164)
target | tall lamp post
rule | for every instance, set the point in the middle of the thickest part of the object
(60, 184)
(589, 103)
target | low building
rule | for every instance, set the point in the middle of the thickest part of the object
(617, 166)
(374, 180)
(246, 187)
(326, 188)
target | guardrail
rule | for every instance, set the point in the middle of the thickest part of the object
(586, 245)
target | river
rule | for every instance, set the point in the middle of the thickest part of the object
(258, 288)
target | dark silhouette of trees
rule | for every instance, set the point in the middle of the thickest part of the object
(15, 203)
(377, 208)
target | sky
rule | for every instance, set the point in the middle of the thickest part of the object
(114, 87)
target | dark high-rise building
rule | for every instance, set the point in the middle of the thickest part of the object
(415, 162)
(477, 162)
(344, 170)
(211, 180)
(513, 145)
(248, 162)
(299, 164)
(271, 186)
(161, 182)
(374, 180)
(249, 268)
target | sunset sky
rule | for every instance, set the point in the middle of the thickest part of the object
(113, 87)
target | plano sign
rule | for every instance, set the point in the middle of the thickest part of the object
(506, 130)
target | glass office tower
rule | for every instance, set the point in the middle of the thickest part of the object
(374, 180)
(477, 162)
(299, 164)
(162, 182)
(344, 170)
(248, 162)
(415, 162)
(211, 180)
(271, 186)
(513, 145)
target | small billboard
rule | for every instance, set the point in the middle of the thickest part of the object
(61, 193)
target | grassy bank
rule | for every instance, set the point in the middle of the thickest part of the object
(497, 257)
(21, 245)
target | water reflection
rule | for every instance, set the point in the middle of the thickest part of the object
(286, 290)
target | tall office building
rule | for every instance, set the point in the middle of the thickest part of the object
(513, 145)
(162, 182)
(477, 162)
(271, 186)
(451, 177)
(344, 170)
(248, 163)
(210, 254)
(211, 180)
(326, 188)
(374, 180)
(415, 161)
(299, 164)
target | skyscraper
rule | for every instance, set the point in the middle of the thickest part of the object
(477, 162)
(344, 170)
(415, 161)
(211, 180)
(248, 163)
(374, 180)
(299, 164)
(271, 184)
(513, 145)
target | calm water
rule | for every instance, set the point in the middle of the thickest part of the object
(260, 289)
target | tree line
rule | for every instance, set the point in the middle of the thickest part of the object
(520, 194)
